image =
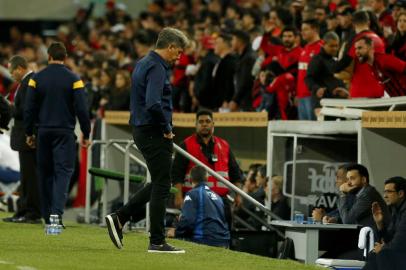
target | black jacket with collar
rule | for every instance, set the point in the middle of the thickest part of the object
(394, 235)
(17, 136)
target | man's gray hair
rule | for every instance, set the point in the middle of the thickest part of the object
(18, 61)
(331, 36)
(171, 36)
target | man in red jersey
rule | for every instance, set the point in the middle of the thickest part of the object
(387, 69)
(285, 67)
(363, 82)
(310, 34)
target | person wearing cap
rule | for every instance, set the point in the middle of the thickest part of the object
(389, 249)
(55, 97)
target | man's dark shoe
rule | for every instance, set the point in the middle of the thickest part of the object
(164, 248)
(11, 219)
(115, 233)
(28, 220)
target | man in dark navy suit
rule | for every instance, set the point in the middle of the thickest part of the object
(151, 120)
(29, 210)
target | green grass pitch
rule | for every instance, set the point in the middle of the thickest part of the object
(26, 247)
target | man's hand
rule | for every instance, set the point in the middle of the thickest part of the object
(233, 106)
(378, 247)
(341, 92)
(178, 200)
(237, 200)
(318, 214)
(170, 233)
(169, 135)
(377, 215)
(195, 103)
(30, 141)
(85, 143)
(327, 219)
(346, 188)
(320, 92)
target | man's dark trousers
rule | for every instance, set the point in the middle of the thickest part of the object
(29, 204)
(56, 161)
(157, 152)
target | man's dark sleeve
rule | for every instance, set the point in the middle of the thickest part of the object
(179, 167)
(245, 82)
(31, 107)
(234, 170)
(81, 109)
(399, 237)
(153, 100)
(229, 84)
(360, 208)
(314, 70)
(343, 63)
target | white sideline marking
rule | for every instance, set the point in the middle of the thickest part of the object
(5, 262)
(26, 268)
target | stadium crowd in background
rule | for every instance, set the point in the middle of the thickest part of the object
(262, 48)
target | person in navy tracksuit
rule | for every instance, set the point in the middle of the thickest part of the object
(202, 219)
(55, 97)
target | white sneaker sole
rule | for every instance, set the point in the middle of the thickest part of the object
(113, 231)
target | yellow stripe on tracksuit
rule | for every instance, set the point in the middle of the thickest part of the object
(32, 83)
(78, 84)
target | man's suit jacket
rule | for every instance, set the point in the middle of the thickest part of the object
(395, 234)
(359, 212)
(17, 136)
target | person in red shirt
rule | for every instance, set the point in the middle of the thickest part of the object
(387, 69)
(310, 34)
(363, 82)
(285, 68)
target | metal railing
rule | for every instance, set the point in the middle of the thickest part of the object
(127, 155)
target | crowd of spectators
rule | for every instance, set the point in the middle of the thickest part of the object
(244, 55)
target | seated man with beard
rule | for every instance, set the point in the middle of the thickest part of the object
(359, 211)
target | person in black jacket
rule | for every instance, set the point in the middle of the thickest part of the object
(389, 250)
(55, 97)
(29, 210)
(203, 84)
(320, 73)
(243, 79)
(223, 72)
